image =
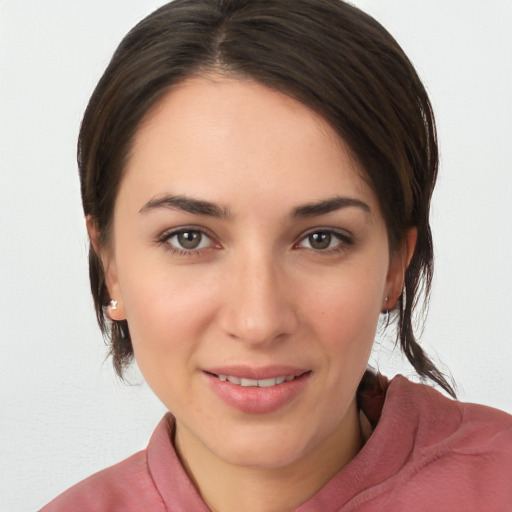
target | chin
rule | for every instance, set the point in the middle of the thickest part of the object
(261, 457)
(262, 448)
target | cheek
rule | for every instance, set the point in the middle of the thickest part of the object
(346, 311)
(167, 313)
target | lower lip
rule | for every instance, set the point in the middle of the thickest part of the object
(256, 400)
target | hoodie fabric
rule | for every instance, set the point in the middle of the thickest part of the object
(426, 453)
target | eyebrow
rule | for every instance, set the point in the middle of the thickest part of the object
(201, 207)
(329, 205)
(187, 204)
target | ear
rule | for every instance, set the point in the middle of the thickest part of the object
(107, 259)
(397, 267)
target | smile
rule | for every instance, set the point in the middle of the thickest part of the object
(258, 390)
(261, 383)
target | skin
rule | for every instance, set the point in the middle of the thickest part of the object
(258, 290)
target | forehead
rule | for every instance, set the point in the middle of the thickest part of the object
(213, 136)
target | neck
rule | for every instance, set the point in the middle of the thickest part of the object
(227, 487)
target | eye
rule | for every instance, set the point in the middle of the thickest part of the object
(186, 240)
(324, 240)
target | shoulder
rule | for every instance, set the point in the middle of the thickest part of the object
(462, 451)
(152, 479)
(126, 486)
(441, 421)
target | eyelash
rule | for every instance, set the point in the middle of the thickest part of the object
(344, 241)
(165, 238)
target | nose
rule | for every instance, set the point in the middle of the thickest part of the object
(258, 308)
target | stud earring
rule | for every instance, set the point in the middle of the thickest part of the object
(113, 304)
(386, 310)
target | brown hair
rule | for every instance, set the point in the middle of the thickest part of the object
(326, 54)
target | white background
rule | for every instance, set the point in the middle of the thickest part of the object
(63, 413)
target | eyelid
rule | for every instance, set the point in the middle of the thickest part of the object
(344, 236)
(164, 238)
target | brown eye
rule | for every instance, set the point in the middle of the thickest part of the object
(189, 239)
(325, 240)
(320, 241)
(186, 240)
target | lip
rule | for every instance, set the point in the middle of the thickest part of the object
(257, 400)
(258, 373)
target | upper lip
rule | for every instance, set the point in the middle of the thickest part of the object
(257, 373)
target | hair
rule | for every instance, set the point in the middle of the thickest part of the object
(327, 54)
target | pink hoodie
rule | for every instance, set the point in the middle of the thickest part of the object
(426, 453)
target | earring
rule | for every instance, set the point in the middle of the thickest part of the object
(386, 310)
(113, 304)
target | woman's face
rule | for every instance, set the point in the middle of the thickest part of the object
(251, 262)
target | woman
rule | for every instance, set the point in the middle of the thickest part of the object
(256, 178)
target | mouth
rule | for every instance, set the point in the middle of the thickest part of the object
(260, 383)
(258, 390)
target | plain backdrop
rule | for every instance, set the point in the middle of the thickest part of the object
(63, 413)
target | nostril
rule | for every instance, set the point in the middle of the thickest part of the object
(257, 309)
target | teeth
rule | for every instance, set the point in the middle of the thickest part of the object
(261, 383)
(268, 383)
(248, 382)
